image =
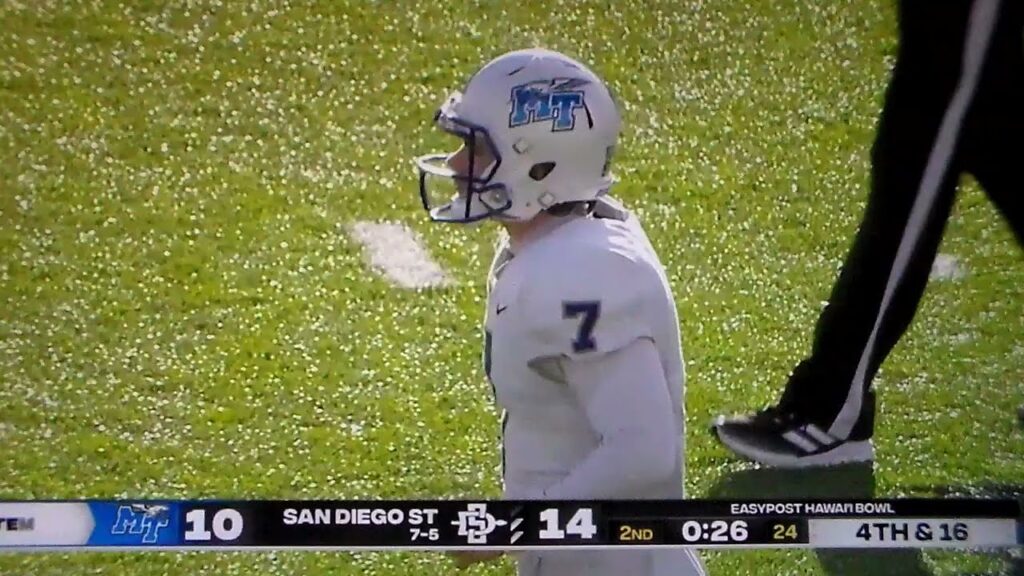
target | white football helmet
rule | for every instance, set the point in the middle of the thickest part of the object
(545, 126)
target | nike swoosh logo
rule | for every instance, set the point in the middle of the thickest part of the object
(501, 309)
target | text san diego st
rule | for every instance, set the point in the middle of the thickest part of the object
(359, 516)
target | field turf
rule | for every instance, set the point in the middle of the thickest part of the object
(183, 315)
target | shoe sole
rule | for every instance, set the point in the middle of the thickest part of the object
(856, 451)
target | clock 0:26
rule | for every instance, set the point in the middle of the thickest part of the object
(714, 531)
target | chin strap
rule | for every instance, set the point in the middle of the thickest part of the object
(610, 208)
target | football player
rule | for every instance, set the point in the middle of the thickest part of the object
(581, 336)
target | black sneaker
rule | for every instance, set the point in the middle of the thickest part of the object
(782, 438)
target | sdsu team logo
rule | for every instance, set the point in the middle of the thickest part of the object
(552, 101)
(475, 523)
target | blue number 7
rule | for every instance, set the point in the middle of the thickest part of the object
(590, 310)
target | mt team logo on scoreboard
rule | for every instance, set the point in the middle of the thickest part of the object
(144, 520)
(134, 524)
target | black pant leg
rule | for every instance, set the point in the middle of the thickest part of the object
(915, 170)
(994, 147)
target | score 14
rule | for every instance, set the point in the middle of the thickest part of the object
(580, 524)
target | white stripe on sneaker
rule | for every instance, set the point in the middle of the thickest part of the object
(800, 441)
(819, 435)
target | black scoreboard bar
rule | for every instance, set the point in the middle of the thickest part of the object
(508, 525)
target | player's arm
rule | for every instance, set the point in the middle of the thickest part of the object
(627, 403)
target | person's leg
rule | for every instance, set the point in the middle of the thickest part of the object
(993, 147)
(827, 410)
(994, 144)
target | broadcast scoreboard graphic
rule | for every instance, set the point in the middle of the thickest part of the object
(507, 525)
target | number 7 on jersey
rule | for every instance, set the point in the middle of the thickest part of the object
(590, 311)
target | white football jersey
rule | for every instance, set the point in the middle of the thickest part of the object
(587, 287)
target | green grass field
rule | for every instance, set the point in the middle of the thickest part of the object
(182, 314)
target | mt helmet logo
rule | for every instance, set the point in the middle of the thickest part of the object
(554, 101)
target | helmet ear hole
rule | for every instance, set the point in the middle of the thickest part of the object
(540, 171)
